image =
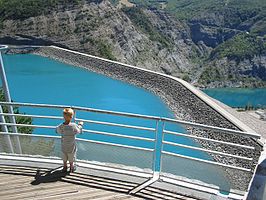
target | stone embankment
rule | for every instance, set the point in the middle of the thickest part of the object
(184, 103)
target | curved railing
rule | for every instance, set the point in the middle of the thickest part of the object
(147, 146)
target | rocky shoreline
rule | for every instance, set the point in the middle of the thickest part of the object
(185, 104)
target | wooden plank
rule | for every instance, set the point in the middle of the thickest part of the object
(99, 183)
(104, 180)
(29, 188)
(35, 192)
(93, 182)
(89, 194)
(82, 190)
(167, 193)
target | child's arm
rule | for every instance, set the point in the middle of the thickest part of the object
(78, 128)
(59, 129)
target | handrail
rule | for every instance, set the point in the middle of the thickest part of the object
(206, 161)
(153, 142)
(118, 135)
(78, 139)
(83, 120)
(32, 116)
(82, 109)
(225, 130)
(207, 150)
(208, 139)
(28, 125)
(116, 124)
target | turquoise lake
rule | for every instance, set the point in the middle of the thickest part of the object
(35, 79)
(239, 97)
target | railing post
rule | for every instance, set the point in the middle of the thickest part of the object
(8, 99)
(158, 146)
(5, 129)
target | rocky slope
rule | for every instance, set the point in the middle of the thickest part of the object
(147, 37)
(104, 30)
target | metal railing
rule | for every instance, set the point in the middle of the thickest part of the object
(161, 147)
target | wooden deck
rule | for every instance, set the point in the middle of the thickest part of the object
(32, 183)
(29, 183)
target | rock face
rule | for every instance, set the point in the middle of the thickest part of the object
(234, 73)
(163, 43)
(96, 27)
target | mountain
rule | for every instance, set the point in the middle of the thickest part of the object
(211, 43)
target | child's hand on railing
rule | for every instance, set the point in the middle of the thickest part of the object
(81, 124)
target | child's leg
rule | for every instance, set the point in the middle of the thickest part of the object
(64, 157)
(71, 165)
(71, 158)
(65, 164)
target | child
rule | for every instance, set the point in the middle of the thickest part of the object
(68, 130)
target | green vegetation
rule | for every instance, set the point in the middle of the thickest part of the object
(102, 46)
(33, 146)
(214, 74)
(19, 120)
(21, 9)
(210, 74)
(242, 46)
(105, 49)
(188, 9)
(139, 18)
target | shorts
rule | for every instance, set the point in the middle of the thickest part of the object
(68, 157)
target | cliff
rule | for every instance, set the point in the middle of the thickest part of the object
(146, 36)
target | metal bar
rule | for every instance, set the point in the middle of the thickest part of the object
(29, 125)
(8, 99)
(207, 150)
(32, 135)
(117, 145)
(190, 185)
(32, 116)
(137, 116)
(208, 139)
(116, 124)
(80, 139)
(207, 161)
(103, 167)
(119, 135)
(158, 146)
(81, 109)
(156, 176)
(78, 119)
(5, 129)
(225, 130)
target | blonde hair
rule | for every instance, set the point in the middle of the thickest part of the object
(69, 112)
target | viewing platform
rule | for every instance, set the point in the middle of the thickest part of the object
(125, 155)
(151, 168)
(24, 182)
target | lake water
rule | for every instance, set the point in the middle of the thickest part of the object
(35, 79)
(239, 97)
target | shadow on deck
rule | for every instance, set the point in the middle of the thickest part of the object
(19, 182)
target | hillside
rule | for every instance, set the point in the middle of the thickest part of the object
(211, 43)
